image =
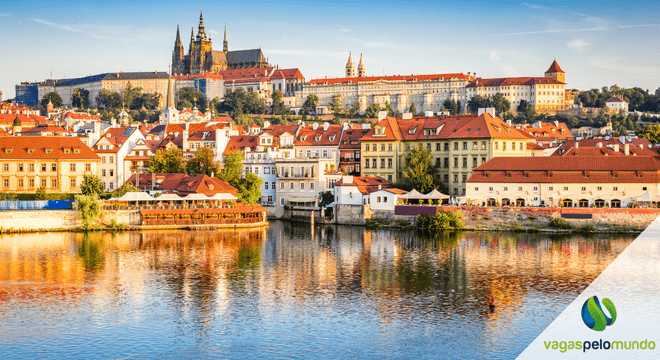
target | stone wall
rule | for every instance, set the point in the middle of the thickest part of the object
(127, 217)
(352, 214)
(39, 219)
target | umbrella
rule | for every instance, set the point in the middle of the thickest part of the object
(196, 196)
(169, 197)
(413, 194)
(136, 196)
(223, 196)
(435, 195)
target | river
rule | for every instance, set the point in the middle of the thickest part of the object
(289, 291)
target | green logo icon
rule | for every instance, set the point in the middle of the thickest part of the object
(594, 316)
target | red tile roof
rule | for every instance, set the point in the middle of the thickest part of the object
(366, 184)
(46, 128)
(545, 80)
(615, 99)
(459, 127)
(307, 136)
(184, 184)
(279, 130)
(638, 143)
(288, 74)
(391, 131)
(26, 120)
(554, 67)
(351, 138)
(45, 147)
(408, 78)
(549, 131)
(240, 142)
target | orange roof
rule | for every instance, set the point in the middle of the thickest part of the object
(184, 184)
(366, 184)
(408, 78)
(549, 131)
(459, 127)
(545, 80)
(45, 147)
(554, 68)
(391, 131)
(351, 138)
(288, 74)
(307, 136)
(8, 119)
(239, 143)
(615, 99)
(46, 128)
(240, 209)
(278, 130)
(3, 132)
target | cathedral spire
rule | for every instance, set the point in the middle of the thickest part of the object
(350, 66)
(362, 70)
(201, 34)
(225, 44)
(178, 36)
(170, 92)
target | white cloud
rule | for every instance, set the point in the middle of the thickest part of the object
(494, 57)
(213, 32)
(578, 44)
(536, 6)
(345, 29)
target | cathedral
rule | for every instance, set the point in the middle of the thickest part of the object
(202, 58)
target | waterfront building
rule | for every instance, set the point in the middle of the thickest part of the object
(137, 160)
(427, 92)
(545, 94)
(616, 103)
(349, 149)
(202, 58)
(56, 164)
(457, 145)
(319, 142)
(573, 181)
(113, 147)
(355, 190)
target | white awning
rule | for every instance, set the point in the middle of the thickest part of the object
(223, 196)
(135, 196)
(412, 195)
(169, 197)
(302, 199)
(436, 195)
(196, 196)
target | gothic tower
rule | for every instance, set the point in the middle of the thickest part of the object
(350, 66)
(201, 47)
(361, 70)
(178, 56)
(225, 44)
(556, 72)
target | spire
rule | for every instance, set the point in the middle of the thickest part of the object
(178, 36)
(350, 60)
(362, 70)
(225, 44)
(170, 92)
(201, 34)
(350, 66)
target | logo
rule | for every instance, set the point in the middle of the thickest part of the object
(593, 315)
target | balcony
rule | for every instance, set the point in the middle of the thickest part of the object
(288, 175)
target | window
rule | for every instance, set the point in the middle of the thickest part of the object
(446, 162)
(282, 201)
(377, 198)
(474, 145)
(446, 146)
(311, 186)
(476, 189)
(382, 147)
(389, 163)
(464, 178)
(266, 186)
(103, 172)
(600, 188)
(503, 145)
(366, 164)
(437, 146)
(474, 162)
(21, 183)
(384, 198)
(465, 145)
(43, 183)
(536, 188)
(272, 185)
(282, 185)
(565, 188)
(112, 172)
(112, 159)
(513, 145)
(31, 167)
(5, 167)
(5, 183)
(72, 167)
(20, 167)
(456, 146)
(464, 162)
(72, 183)
(644, 188)
(455, 178)
(373, 163)
(53, 183)
(519, 188)
(30, 183)
(446, 178)
(102, 159)
(506, 188)
(382, 163)
(550, 188)
(497, 146)
(389, 178)
(44, 167)
(53, 167)
(483, 145)
(455, 162)
(302, 186)
(616, 188)
(584, 188)
(291, 185)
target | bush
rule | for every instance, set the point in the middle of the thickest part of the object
(586, 229)
(40, 194)
(560, 224)
(89, 209)
(444, 220)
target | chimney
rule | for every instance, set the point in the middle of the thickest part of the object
(406, 116)
(556, 123)
(366, 126)
(325, 126)
(599, 145)
(217, 139)
(344, 126)
(622, 139)
(626, 149)
(347, 179)
(428, 113)
(537, 124)
(187, 125)
(266, 124)
(382, 115)
(97, 127)
(577, 145)
(113, 122)
(615, 147)
(315, 126)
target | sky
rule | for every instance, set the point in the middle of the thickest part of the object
(597, 43)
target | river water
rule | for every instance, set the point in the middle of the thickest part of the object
(289, 291)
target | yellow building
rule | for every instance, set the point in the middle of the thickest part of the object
(457, 145)
(55, 163)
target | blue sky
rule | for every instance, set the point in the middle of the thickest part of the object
(597, 43)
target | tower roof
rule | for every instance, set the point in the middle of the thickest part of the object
(178, 36)
(554, 68)
(17, 122)
(361, 66)
(350, 60)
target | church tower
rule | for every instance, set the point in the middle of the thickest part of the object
(556, 72)
(225, 44)
(361, 70)
(350, 67)
(201, 47)
(178, 56)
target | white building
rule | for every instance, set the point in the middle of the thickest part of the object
(113, 147)
(385, 199)
(617, 103)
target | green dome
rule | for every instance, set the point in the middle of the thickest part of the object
(17, 121)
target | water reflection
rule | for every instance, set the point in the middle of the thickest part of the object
(291, 290)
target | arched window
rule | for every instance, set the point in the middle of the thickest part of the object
(583, 203)
(506, 202)
(567, 203)
(520, 202)
(616, 203)
(491, 202)
(599, 203)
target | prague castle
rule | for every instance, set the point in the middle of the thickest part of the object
(202, 58)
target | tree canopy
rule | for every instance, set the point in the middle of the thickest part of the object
(418, 170)
(232, 167)
(167, 161)
(190, 95)
(53, 97)
(203, 162)
(80, 98)
(278, 107)
(412, 109)
(335, 105)
(372, 111)
(249, 189)
(238, 102)
(309, 106)
(91, 185)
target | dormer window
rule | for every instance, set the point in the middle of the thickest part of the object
(48, 151)
(30, 151)
(8, 151)
(380, 130)
(66, 151)
(303, 138)
(317, 138)
(76, 151)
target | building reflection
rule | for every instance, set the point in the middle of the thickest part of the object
(211, 279)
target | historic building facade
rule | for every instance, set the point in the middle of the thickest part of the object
(202, 58)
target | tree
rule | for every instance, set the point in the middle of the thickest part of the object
(455, 107)
(249, 189)
(89, 209)
(652, 134)
(278, 107)
(108, 99)
(194, 97)
(309, 107)
(167, 161)
(183, 104)
(477, 102)
(80, 98)
(388, 108)
(129, 95)
(52, 97)
(418, 170)
(91, 185)
(336, 105)
(354, 109)
(123, 189)
(232, 167)
(413, 109)
(40, 194)
(326, 198)
(203, 162)
(501, 104)
(372, 111)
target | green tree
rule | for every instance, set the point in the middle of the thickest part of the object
(194, 97)
(278, 107)
(167, 161)
(372, 111)
(326, 198)
(447, 104)
(129, 95)
(501, 104)
(388, 108)
(336, 105)
(455, 107)
(249, 189)
(40, 194)
(652, 134)
(183, 104)
(413, 109)
(354, 109)
(418, 170)
(232, 167)
(53, 97)
(89, 209)
(203, 162)
(91, 185)
(234, 102)
(108, 99)
(123, 189)
(477, 102)
(309, 106)
(80, 98)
